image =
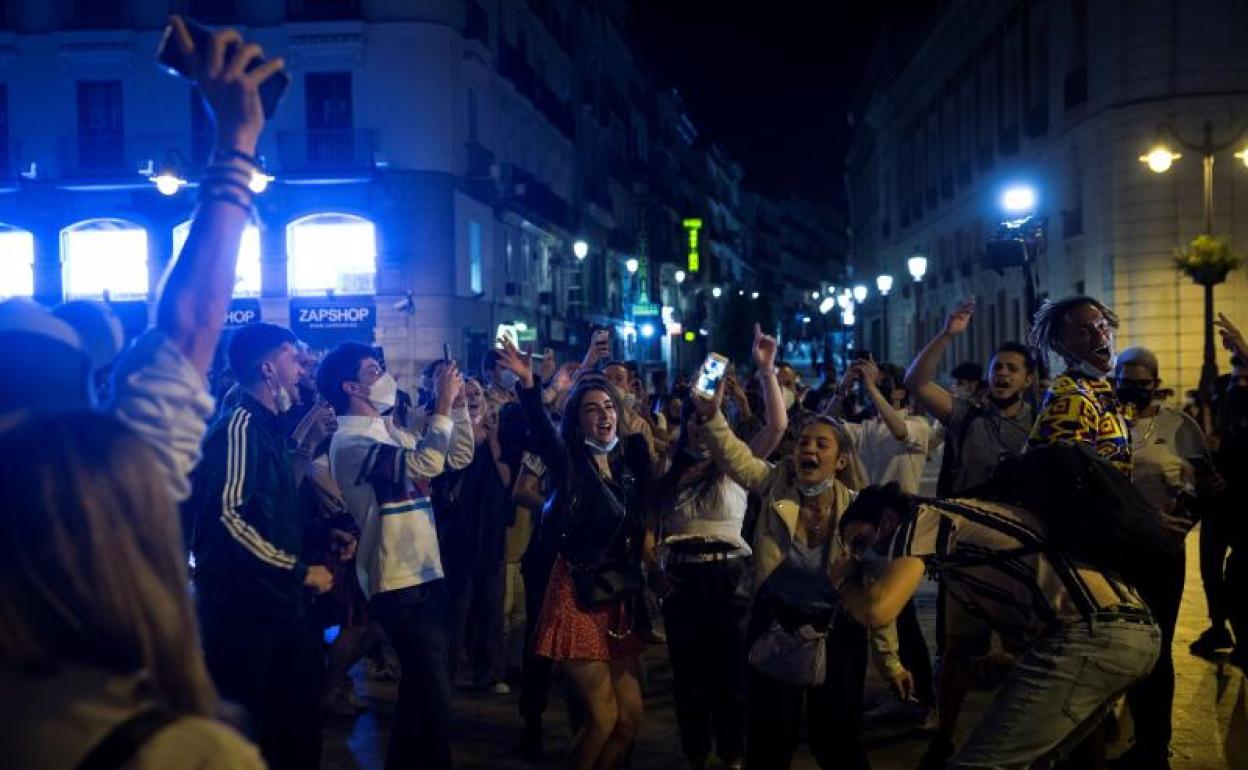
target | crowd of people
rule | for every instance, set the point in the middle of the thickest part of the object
(171, 557)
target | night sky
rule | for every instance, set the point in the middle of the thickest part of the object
(772, 80)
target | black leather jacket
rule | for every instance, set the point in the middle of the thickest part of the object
(590, 518)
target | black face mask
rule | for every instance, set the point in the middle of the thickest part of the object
(1136, 395)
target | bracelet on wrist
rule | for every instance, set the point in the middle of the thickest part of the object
(224, 153)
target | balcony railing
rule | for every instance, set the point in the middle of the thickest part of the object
(109, 155)
(350, 149)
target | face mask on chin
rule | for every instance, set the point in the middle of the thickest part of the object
(816, 489)
(281, 398)
(601, 447)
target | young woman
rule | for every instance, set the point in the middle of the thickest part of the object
(96, 627)
(705, 579)
(590, 610)
(794, 549)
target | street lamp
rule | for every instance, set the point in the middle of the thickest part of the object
(631, 265)
(680, 277)
(580, 249)
(716, 292)
(860, 293)
(884, 284)
(917, 265)
(1159, 160)
(826, 306)
(168, 182)
(259, 181)
(814, 295)
(753, 295)
(1019, 201)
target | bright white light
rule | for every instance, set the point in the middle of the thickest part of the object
(716, 292)
(1019, 200)
(860, 293)
(667, 314)
(1160, 159)
(647, 330)
(740, 292)
(917, 265)
(102, 255)
(520, 326)
(814, 295)
(1243, 156)
(843, 301)
(753, 295)
(826, 306)
(168, 183)
(631, 265)
(17, 263)
(703, 333)
(580, 249)
(884, 283)
(831, 290)
(259, 181)
(331, 252)
(680, 276)
(246, 269)
(805, 319)
(847, 317)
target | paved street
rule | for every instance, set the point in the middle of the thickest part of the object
(1211, 714)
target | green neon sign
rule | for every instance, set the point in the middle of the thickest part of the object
(693, 225)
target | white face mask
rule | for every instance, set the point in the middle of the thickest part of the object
(814, 490)
(282, 400)
(383, 393)
(599, 447)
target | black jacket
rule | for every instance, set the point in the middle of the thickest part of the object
(590, 518)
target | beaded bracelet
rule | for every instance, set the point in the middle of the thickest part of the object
(217, 180)
(225, 154)
(216, 169)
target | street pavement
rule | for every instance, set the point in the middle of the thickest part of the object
(1210, 712)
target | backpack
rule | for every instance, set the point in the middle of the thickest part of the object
(1091, 509)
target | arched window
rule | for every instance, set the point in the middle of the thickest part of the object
(331, 252)
(17, 263)
(246, 270)
(104, 255)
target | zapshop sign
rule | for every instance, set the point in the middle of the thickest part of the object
(242, 312)
(324, 323)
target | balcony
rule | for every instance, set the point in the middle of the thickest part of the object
(349, 149)
(528, 195)
(480, 161)
(113, 155)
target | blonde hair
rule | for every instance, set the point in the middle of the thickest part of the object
(852, 474)
(92, 568)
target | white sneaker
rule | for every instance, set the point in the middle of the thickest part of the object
(500, 688)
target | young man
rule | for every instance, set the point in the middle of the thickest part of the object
(247, 536)
(892, 443)
(1080, 406)
(1172, 467)
(500, 384)
(385, 473)
(1086, 636)
(979, 434)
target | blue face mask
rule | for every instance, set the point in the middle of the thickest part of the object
(599, 447)
(814, 490)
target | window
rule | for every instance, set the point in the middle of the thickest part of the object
(102, 256)
(100, 125)
(246, 270)
(476, 284)
(17, 263)
(328, 106)
(331, 253)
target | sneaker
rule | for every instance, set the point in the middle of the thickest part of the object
(1213, 639)
(500, 688)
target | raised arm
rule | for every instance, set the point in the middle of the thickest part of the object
(766, 440)
(200, 281)
(895, 422)
(1232, 337)
(546, 441)
(919, 377)
(730, 453)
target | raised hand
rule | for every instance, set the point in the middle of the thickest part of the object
(1232, 337)
(232, 93)
(868, 371)
(764, 349)
(447, 383)
(706, 408)
(516, 362)
(960, 318)
(599, 349)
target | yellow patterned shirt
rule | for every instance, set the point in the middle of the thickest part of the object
(1084, 410)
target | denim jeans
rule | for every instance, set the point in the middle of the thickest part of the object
(1058, 690)
(415, 620)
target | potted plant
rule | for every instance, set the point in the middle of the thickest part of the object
(1207, 259)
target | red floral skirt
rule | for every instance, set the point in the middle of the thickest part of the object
(567, 631)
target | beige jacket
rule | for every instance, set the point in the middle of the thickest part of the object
(777, 521)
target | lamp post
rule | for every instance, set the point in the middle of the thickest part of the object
(1159, 160)
(884, 284)
(917, 265)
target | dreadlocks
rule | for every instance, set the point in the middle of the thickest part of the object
(1046, 326)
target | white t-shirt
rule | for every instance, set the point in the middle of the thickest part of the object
(1163, 448)
(885, 458)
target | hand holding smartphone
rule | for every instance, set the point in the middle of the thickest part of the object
(710, 375)
(169, 56)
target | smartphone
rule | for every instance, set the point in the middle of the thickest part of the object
(713, 370)
(862, 355)
(169, 56)
(446, 351)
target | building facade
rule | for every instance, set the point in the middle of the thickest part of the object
(1063, 96)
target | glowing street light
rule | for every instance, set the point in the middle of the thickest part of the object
(580, 249)
(1243, 156)
(884, 284)
(860, 293)
(847, 316)
(1160, 159)
(631, 265)
(826, 306)
(917, 265)
(753, 295)
(168, 183)
(814, 295)
(647, 330)
(1019, 200)
(259, 181)
(680, 276)
(716, 292)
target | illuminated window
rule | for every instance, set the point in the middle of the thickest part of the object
(104, 255)
(17, 263)
(246, 270)
(331, 252)
(475, 282)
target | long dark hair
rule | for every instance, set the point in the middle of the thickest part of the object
(666, 488)
(570, 424)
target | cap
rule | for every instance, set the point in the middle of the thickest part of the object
(43, 363)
